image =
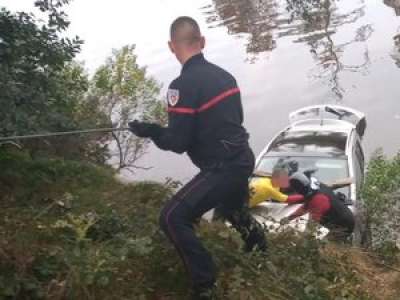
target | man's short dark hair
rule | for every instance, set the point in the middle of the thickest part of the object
(185, 29)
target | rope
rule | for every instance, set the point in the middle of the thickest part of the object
(61, 133)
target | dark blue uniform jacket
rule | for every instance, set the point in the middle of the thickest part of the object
(205, 115)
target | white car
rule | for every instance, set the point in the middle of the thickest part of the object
(327, 138)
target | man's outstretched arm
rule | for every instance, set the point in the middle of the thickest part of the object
(178, 135)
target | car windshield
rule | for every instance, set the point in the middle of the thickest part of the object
(328, 169)
(324, 142)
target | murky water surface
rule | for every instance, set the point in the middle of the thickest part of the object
(288, 54)
(285, 54)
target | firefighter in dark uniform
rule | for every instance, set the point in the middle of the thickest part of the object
(205, 121)
(324, 207)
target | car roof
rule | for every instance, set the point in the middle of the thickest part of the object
(313, 119)
(335, 116)
(322, 125)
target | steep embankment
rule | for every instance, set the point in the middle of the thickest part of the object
(69, 230)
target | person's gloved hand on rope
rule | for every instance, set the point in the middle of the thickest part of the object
(144, 129)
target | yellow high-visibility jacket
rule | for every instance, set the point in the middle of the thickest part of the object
(261, 189)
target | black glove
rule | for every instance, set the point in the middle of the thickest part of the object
(143, 129)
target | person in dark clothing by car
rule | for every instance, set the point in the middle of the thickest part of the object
(205, 121)
(324, 207)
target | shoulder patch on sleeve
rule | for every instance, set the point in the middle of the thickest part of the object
(173, 96)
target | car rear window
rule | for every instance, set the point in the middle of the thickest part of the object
(333, 143)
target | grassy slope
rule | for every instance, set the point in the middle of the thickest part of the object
(71, 231)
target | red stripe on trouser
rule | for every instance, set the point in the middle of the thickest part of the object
(170, 229)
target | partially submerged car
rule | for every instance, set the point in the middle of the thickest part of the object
(326, 139)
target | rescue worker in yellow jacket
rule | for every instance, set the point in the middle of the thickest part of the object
(265, 188)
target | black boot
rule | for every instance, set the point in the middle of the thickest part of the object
(255, 240)
(252, 232)
(204, 293)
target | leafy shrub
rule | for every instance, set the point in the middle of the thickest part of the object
(382, 204)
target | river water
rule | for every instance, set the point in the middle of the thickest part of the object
(285, 54)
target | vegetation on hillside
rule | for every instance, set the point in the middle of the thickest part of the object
(69, 230)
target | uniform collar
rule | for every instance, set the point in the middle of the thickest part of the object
(195, 59)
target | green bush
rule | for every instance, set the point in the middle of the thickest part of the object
(381, 196)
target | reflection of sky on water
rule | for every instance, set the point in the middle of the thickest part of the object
(282, 58)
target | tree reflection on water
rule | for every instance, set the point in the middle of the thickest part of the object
(395, 4)
(257, 18)
(312, 22)
(396, 50)
(316, 22)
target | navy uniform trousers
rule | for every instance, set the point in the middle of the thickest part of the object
(225, 187)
